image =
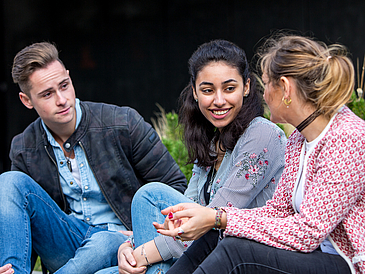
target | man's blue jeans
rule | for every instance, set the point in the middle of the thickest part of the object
(29, 218)
(147, 204)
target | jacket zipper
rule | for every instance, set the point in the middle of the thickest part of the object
(329, 237)
(110, 204)
(348, 261)
(59, 183)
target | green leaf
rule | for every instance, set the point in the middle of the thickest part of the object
(170, 133)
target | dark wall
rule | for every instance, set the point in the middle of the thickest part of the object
(135, 52)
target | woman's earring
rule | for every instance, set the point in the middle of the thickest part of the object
(286, 101)
(196, 100)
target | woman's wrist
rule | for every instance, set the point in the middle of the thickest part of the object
(147, 254)
(138, 255)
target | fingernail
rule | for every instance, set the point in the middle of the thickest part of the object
(171, 215)
(158, 231)
(180, 233)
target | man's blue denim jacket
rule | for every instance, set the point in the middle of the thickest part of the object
(123, 151)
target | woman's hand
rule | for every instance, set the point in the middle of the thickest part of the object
(6, 269)
(170, 223)
(126, 261)
(193, 219)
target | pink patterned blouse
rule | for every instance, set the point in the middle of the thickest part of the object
(334, 197)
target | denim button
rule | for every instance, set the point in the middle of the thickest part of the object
(67, 145)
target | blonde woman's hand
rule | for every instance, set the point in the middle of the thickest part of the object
(171, 223)
(189, 221)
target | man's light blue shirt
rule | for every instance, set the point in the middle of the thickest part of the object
(86, 200)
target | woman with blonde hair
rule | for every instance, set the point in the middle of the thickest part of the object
(315, 221)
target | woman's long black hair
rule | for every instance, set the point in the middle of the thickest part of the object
(199, 133)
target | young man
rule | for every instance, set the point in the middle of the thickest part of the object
(74, 172)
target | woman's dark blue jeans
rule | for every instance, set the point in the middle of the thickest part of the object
(239, 255)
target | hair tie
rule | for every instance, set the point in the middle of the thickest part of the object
(328, 57)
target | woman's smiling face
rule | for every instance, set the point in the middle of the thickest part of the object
(219, 89)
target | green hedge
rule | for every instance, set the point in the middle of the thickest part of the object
(357, 105)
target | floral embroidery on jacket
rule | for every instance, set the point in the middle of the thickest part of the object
(253, 166)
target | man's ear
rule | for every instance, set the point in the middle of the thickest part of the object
(25, 100)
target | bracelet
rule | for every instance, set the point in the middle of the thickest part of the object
(143, 252)
(218, 217)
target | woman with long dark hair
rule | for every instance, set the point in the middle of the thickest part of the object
(238, 155)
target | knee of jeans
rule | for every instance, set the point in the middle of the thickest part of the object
(11, 181)
(228, 242)
(148, 189)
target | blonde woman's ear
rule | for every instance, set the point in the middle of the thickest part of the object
(285, 85)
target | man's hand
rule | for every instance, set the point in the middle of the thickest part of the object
(6, 269)
(124, 232)
(127, 262)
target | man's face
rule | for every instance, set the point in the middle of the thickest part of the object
(53, 96)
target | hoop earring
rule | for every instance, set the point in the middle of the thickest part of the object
(286, 101)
